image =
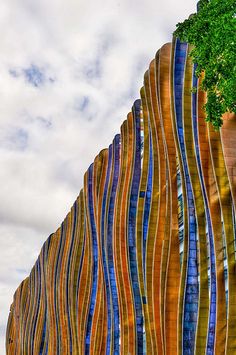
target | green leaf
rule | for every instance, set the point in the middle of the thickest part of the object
(212, 32)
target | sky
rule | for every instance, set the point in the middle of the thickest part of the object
(70, 71)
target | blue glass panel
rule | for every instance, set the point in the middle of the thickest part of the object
(212, 316)
(56, 286)
(147, 204)
(132, 228)
(191, 286)
(68, 271)
(95, 258)
(109, 246)
(104, 254)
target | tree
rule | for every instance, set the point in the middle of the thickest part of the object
(212, 32)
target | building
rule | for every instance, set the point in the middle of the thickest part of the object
(144, 263)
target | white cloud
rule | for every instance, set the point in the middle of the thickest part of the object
(91, 56)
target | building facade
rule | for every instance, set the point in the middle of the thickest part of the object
(144, 263)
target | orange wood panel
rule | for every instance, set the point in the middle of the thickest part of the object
(223, 186)
(125, 297)
(228, 138)
(85, 283)
(154, 240)
(51, 276)
(215, 213)
(173, 267)
(99, 324)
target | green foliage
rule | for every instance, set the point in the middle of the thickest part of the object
(212, 32)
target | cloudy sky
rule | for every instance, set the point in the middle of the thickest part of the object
(69, 73)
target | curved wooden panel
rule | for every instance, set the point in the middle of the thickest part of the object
(163, 79)
(215, 218)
